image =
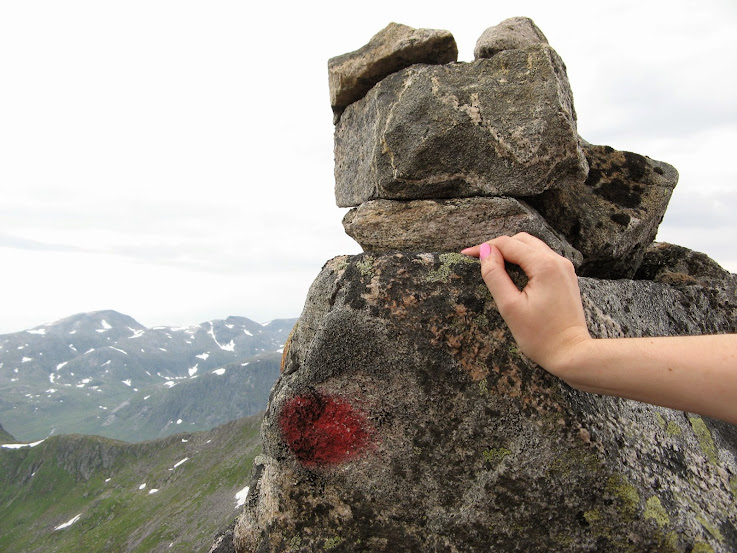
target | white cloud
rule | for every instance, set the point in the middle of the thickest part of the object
(174, 161)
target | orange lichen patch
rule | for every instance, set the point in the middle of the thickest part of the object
(464, 338)
(478, 372)
(497, 334)
(399, 307)
(509, 386)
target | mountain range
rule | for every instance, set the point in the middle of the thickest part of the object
(104, 373)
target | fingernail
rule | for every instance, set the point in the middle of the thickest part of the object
(484, 251)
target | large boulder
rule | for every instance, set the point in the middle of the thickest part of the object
(406, 419)
(612, 216)
(393, 48)
(511, 34)
(447, 225)
(504, 126)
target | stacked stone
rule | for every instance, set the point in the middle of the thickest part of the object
(405, 417)
(435, 155)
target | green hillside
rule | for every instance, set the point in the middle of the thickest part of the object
(236, 390)
(86, 493)
(5, 438)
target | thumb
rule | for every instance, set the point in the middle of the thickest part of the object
(496, 278)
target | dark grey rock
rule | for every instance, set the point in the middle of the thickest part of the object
(676, 265)
(511, 34)
(393, 48)
(407, 420)
(614, 215)
(504, 126)
(447, 225)
(223, 542)
(684, 268)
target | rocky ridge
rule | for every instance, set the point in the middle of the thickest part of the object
(405, 418)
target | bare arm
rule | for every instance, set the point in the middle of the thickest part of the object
(691, 373)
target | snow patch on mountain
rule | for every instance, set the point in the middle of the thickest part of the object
(179, 463)
(240, 497)
(226, 347)
(18, 446)
(68, 523)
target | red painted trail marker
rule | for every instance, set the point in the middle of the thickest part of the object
(323, 430)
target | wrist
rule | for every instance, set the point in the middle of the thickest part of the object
(573, 361)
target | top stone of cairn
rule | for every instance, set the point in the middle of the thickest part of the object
(511, 34)
(393, 48)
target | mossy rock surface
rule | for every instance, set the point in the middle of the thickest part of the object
(406, 419)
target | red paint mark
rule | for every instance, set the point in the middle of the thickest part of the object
(323, 430)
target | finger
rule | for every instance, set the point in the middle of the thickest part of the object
(530, 240)
(539, 246)
(523, 237)
(497, 280)
(513, 250)
(473, 251)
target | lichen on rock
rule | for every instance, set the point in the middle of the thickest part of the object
(463, 443)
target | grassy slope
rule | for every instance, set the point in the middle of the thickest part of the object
(5, 438)
(65, 476)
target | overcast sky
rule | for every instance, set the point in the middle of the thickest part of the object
(173, 160)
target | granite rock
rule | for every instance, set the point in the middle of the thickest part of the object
(407, 420)
(614, 214)
(504, 126)
(511, 34)
(447, 225)
(676, 265)
(393, 48)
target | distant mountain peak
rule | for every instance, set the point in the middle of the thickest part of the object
(74, 374)
(106, 319)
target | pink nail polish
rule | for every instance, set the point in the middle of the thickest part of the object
(484, 251)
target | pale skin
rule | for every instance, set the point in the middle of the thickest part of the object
(697, 374)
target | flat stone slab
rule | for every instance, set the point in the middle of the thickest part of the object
(447, 225)
(504, 126)
(393, 48)
(511, 34)
(614, 214)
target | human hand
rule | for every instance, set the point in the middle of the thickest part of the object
(546, 317)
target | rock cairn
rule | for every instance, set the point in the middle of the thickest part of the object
(405, 417)
(437, 155)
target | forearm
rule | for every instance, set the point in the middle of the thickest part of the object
(690, 373)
